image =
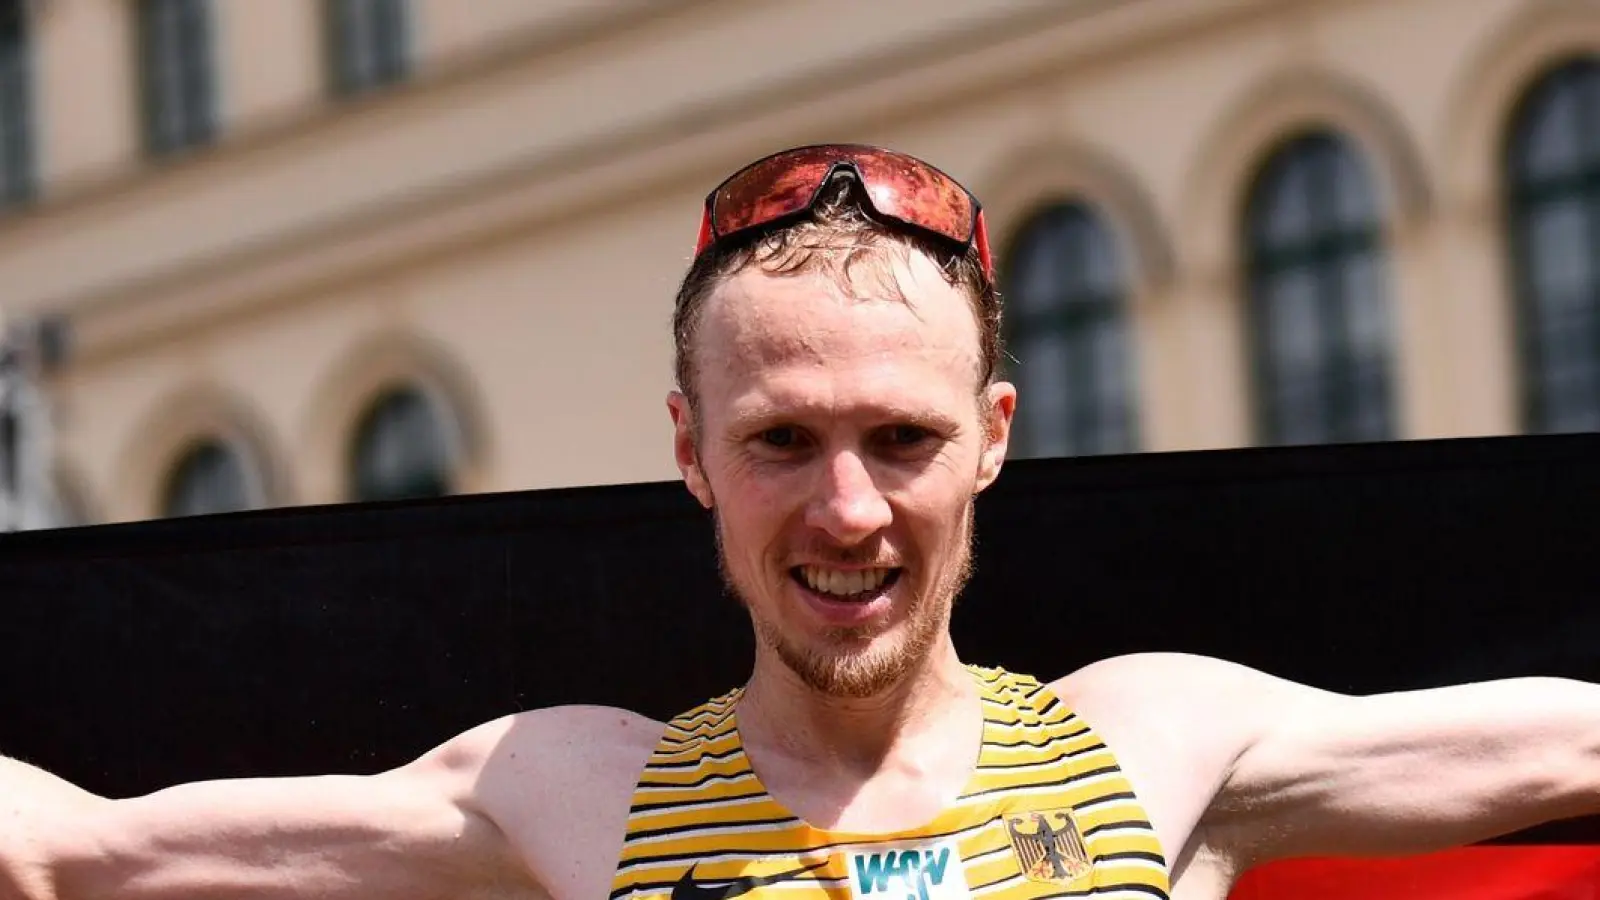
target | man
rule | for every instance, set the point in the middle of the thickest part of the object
(838, 411)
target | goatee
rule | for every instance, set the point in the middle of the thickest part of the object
(844, 663)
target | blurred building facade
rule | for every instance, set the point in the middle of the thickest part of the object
(311, 251)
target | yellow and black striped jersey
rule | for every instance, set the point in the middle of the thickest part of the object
(1047, 813)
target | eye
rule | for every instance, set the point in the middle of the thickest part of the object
(780, 438)
(907, 435)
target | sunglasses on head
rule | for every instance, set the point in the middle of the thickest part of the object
(898, 189)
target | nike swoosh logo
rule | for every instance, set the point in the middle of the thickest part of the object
(688, 889)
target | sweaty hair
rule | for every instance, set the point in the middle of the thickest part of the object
(840, 238)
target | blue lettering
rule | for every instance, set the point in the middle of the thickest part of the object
(934, 864)
(873, 871)
(914, 870)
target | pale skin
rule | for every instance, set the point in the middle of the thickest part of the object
(828, 430)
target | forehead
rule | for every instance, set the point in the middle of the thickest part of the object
(893, 334)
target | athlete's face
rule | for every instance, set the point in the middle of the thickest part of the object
(840, 442)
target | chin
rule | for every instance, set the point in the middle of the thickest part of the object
(855, 666)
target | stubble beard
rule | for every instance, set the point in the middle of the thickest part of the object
(844, 663)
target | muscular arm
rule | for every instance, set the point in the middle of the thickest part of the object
(415, 832)
(1238, 767)
(1407, 772)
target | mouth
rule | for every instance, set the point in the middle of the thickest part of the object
(857, 586)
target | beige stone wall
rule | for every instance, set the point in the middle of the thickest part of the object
(510, 225)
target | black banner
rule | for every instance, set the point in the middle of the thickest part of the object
(352, 638)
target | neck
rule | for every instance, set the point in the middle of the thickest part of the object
(860, 734)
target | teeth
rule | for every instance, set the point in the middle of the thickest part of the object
(842, 583)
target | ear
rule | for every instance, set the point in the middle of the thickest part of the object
(1000, 404)
(685, 450)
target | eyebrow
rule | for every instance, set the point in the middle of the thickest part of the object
(766, 411)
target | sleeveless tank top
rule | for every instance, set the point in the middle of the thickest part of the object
(1047, 813)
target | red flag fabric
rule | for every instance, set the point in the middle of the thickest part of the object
(1472, 873)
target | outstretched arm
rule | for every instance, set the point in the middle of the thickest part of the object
(413, 832)
(1324, 774)
(1240, 768)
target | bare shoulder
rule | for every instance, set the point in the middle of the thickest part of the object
(1177, 723)
(1207, 709)
(558, 783)
(1163, 711)
(1156, 672)
(1162, 689)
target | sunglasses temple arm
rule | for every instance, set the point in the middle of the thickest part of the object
(706, 235)
(981, 237)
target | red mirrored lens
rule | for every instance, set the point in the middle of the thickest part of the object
(899, 186)
(912, 191)
(774, 187)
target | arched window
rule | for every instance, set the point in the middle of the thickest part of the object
(1068, 333)
(402, 449)
(1320, 333)
(212, 476)
(1553, 192)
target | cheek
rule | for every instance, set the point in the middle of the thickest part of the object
(754, 505)
(935, 520)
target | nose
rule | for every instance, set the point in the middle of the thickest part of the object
(847, 503)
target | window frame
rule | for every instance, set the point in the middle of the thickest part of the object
(187, 56)
(1324, 250)
(1093, 423)
(445, 481)
(18, 120)
(1524, 194)
(384, 46)
(251, 485)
